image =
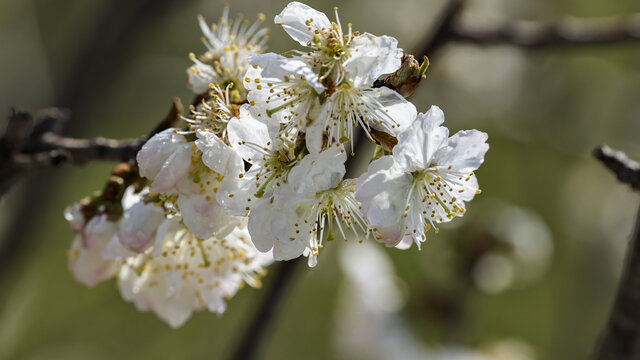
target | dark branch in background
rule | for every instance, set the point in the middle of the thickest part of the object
(443, 30)
(620, 339)
(626, 170)
(568, 32)
(251, 339)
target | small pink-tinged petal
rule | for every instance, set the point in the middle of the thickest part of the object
(87, 266)
(155, 152)
(174, 171)
(139, 225)
(204, 216)
(98, 231)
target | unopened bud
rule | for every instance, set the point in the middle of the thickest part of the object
(406, 79)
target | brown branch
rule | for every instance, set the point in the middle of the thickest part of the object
(565, 33)
(26, 146)
(620, 339)
(625, 169)
(443, 30)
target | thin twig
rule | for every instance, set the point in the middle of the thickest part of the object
(565, 33)
(26, 147)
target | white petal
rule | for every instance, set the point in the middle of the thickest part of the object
(405, 243)
(132, 196)
(200, 76)
(259, 226)
(295, 221)
(246, 133)
(115, 251)
(166, 232)
(383, 191)
(370, 57)
(237, 195)
(218, 156)
(301, 22)
(464, 151)
(396, 112)
(418, 144)
(318, 172)
(204, 217)
(87, 266)
(314, 136)
(98, 232)
(288, 251)
(139, 225)
(174, 171)
(73, 214)
(276, 67)
(157, 150)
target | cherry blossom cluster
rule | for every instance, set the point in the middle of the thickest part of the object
(258, 170)
(169, 243)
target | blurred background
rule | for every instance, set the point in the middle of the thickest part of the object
(529, 273)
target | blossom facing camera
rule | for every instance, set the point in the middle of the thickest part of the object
(229, 44)
(425, 182)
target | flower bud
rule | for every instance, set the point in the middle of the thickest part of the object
(406, 79)
(139, 225)
(85, 262)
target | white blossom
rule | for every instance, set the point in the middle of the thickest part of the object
(184, 273)
(193, 171)
(426, 181)
(304, 211)
(214, 113)
(229, 43)
(347, 65)
(286, 89)
(85, 262)
(350, 106)
(271, 159)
